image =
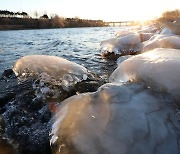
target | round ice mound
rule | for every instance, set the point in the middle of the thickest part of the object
(52, 67)
(126, 119)
(161, 41)
(159, 68)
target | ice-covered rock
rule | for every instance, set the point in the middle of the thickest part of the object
(121, 44)
(27, 112)
(159, 68)
(49, 66)
(161, 41)
(123, 33)
(170, 42)
(55, 77)
(145, 36)
(51, 70)
(148, 29)
(130, 42)
(151, 29)
(128, 118)
(127, 42)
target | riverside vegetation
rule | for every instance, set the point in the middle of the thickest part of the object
(21, 20)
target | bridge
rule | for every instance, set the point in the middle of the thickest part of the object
(119, 23)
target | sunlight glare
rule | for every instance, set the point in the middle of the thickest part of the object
(107, 10)
(117, 10)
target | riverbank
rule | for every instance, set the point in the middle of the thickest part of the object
(13, 27)
(14, 23)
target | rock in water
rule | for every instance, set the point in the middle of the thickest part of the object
(127, 42)
(27, 114)
(161, 41)
(159, 68)
(116, 119)
(148, 29)
(121, 45)
(55, 77)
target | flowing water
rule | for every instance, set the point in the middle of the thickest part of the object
(80, 45)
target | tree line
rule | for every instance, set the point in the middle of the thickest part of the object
(21, 20)
(5, 13)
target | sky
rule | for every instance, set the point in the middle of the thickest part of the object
(107, 10)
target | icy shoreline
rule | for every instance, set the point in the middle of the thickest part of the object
(137, 112)
(140, 40)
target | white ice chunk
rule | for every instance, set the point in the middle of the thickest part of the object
(145, 29)
(148, 29)
(132, 39)
(127, 41)
(120, 44)
(117, 119)
(159, 68)
(45, 66)
(161, 41)
(170, 42)
(123, 33)
(51, 74)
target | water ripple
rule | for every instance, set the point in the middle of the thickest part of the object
(81, 45)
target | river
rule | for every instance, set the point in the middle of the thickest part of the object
(80, 45)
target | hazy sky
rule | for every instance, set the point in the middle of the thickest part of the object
(108, 10)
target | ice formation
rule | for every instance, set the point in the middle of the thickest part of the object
(50, 72)
(121, 44)
(148, 29)
(141, 30)
(161, 41)
(49, 67)
(158, 68)
(118, 118)
(127, 117)
(141, 40)
(123, 33)
(126, 42)
(55, 67)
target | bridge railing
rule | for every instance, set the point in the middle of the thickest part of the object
(119, 23)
